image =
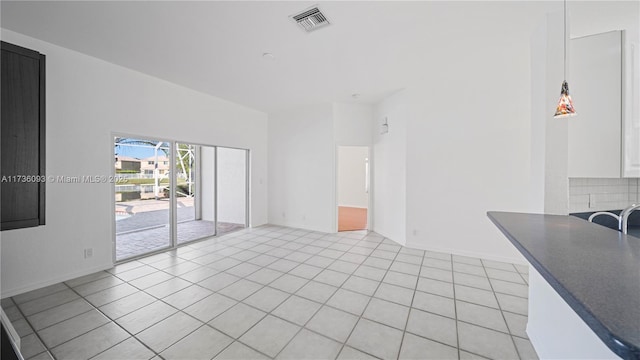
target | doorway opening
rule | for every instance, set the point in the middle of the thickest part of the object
(353, 188)
(169, 193)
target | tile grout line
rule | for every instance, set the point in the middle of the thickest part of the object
(51, 308)
(499, 309)
(217, 292)
(213, 292)
(267, 313)
(406, 323)
(351, 275)
(360, 317)
(108, 317)
(455, 308)
(291, 295)
(115, 323)
(381, 281)
(183, 312)
(40, 311)
(502, 313)
(232, 242)
(46, 348)
(303, 327)
(455, 300)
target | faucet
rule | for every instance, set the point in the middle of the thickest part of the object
(608, 214)
(624, 217)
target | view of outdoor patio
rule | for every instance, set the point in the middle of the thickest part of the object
(143, 192)
(143, 226)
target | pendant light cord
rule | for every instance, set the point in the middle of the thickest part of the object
(565, 40)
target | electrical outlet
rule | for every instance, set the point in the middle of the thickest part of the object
(284, 215)
(592, 201)
(88, 253)
(415, 232)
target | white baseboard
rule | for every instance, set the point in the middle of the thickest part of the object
(487, 256)
(298, 226)
(353, 206)
(34, 286)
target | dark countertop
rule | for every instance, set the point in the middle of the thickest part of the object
(596, 270)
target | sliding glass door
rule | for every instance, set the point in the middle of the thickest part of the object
(195, 192)
(142, 202)
(207, 185)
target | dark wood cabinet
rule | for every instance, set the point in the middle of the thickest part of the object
(22, 137)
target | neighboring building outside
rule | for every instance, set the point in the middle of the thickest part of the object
(126, 164)
(147, 165)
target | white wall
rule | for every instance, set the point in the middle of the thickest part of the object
(207, 184)
(232, 174)
(303, 158)
(472, 132)
(389, 168)
(539, 112)
(352, 174)
(302, 168)
(463, 163)
(87, 100)
(474, 142)
(556, 199)
(353, 124)
(479, 137)
(467, 140)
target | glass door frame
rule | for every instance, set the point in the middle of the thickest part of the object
(173, 215)
(198, 189)
(172, 203)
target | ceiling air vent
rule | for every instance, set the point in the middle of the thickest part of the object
(311, 19)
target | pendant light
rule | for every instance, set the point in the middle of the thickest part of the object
(565, 104)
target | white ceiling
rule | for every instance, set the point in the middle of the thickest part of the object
(371, 48)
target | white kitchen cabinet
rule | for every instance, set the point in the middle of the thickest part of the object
(631, 123)
(595, 84)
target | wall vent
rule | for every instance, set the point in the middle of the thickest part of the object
(311, 19)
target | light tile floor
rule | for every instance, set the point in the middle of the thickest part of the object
(274, 292)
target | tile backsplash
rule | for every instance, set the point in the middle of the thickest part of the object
(602, 194)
